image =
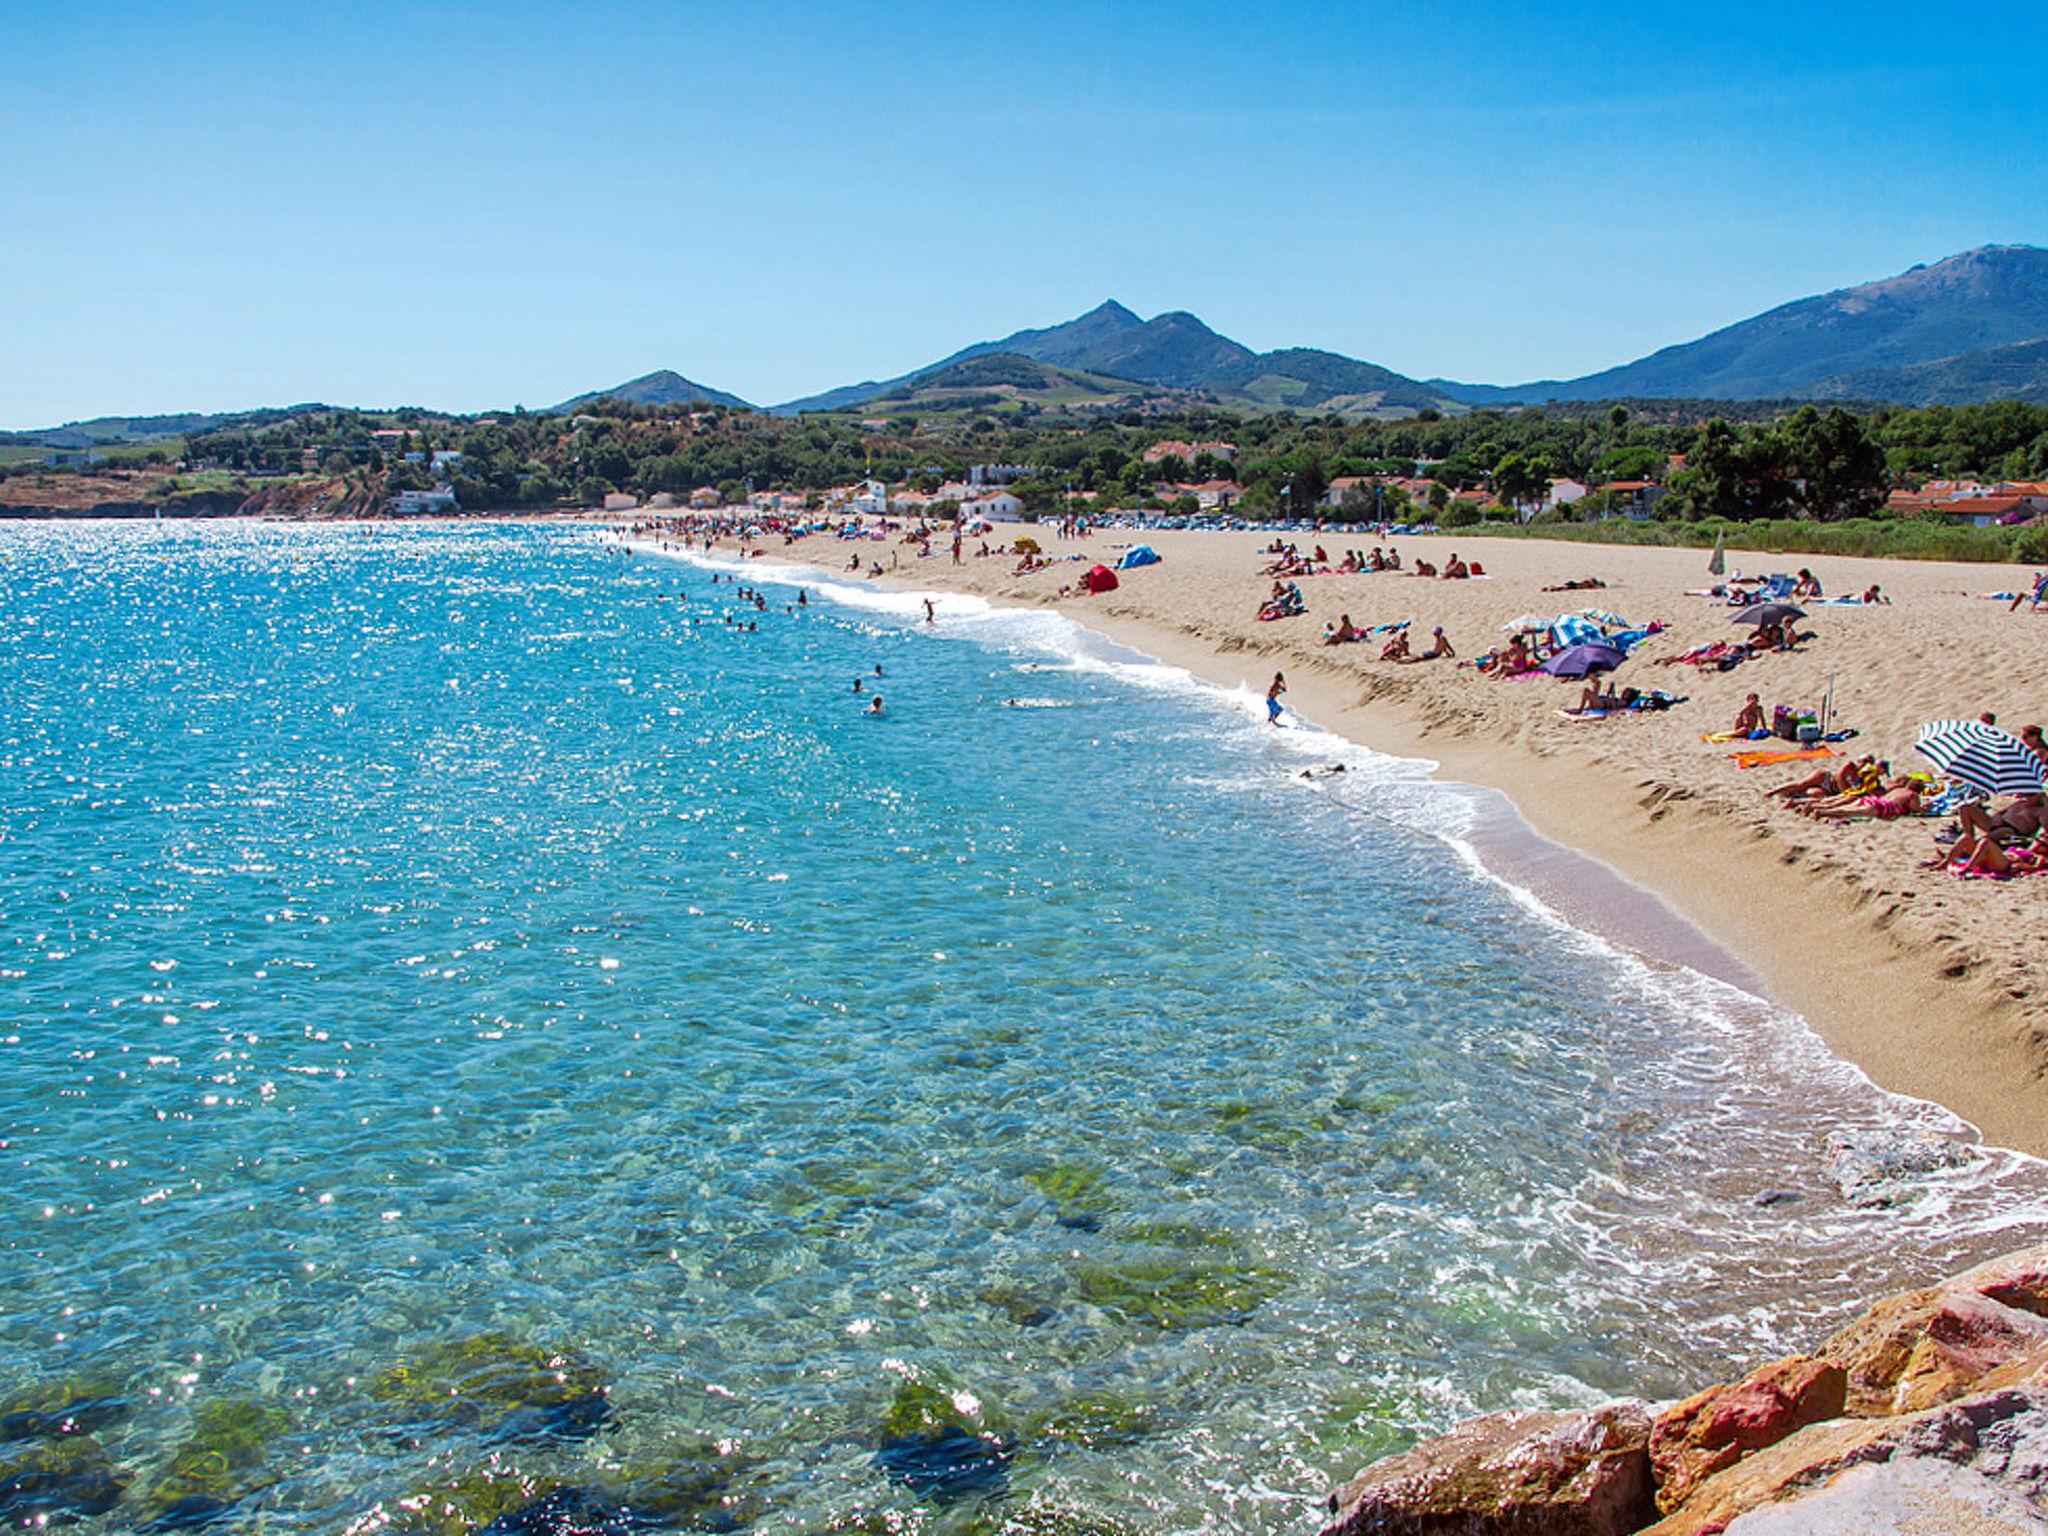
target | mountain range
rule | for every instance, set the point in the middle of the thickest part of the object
(1971, 327)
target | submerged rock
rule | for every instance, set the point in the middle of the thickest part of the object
(1176, 1293)
(1510, 1474)
(222, 1453)
(472, 1377)
(51, 1483)
(574, 1418)
(572, 1512)
(1718, 1427)
(194, 1512)
(1096, 1419)
(945, 1464)
(942, 1445)
(64, 1408)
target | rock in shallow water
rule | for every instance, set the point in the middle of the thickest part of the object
(1876, 1168)
(945, 1464)
(62, 1481)
(575, 1418)
(571, 1512)
(1510, 1474)
(192, 1513)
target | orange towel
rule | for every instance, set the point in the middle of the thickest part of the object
(1759, 758)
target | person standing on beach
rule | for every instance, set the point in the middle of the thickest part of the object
(931, 614)
(1273, 691)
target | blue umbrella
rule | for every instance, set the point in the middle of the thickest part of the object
(1581, 659)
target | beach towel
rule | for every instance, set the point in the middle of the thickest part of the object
(1763, 756)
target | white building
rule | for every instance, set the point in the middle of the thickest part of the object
(1000, 506)
(1564, 493)
(872, 499)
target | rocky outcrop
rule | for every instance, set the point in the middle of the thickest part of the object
(1716, 1428)
(1518, 1474)
(1927, 1413)
(1992, 1446)
(1920, 1348)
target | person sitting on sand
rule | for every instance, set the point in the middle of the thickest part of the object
(1807, 586)
(1901, 797)
(1456, 569)
(1749, 720)
(1516, 660)
(1378, 558)
(1396, 649)
(1424, 568)
(2037, 596)
(1439, 645)
(2019, 819)
(1341, 633)
(1393, 558)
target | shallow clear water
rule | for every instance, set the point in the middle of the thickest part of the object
(408, 935)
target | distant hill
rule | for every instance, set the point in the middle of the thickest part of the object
(1912, 337)
(1176, 351)
(2017, 372)
(663, 387)
(992, 381)
(120, 431)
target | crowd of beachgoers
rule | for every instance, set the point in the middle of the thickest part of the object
(1986, 785)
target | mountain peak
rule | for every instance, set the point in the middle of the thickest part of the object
(662, 387)
(1111, 310)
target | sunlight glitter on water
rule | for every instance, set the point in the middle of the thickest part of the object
(563, 987)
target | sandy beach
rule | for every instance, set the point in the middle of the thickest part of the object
(1930, 983)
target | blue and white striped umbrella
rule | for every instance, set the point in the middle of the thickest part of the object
(1981, 755)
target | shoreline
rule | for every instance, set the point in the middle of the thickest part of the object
(1902, 1006)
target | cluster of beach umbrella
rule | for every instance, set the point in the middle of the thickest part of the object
(1582, 647)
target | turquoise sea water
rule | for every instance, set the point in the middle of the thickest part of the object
(426, 951)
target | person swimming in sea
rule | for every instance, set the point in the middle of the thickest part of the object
(875, 705)
(856, 685)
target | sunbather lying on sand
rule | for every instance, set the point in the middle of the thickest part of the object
(1858, 776)
(1583, 584)
(1901, 797)
(1986, 857)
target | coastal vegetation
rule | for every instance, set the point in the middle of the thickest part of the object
(1800, 476)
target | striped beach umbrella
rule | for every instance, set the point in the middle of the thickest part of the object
(1982, 756)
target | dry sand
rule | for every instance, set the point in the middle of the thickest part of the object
(1931, 984)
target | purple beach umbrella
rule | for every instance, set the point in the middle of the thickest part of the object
(1578, 660)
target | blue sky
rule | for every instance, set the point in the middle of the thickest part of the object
(476, 205)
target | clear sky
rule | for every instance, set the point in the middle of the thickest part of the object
(223, 205)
